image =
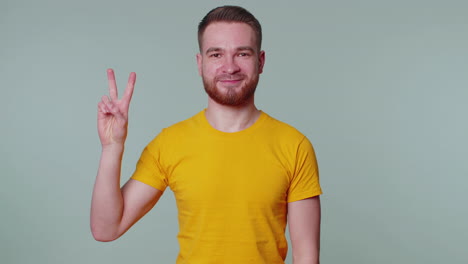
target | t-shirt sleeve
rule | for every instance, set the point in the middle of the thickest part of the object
(149, 169)
(305, 181)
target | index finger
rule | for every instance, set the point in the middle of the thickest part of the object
(112, 84)
(129, 89)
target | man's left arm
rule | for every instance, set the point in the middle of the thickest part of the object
(304, 230)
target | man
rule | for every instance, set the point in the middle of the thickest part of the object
(237, 174)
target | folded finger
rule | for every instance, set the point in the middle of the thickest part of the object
(105, 99)
(102, 108)
(108, 103)
(111, 107)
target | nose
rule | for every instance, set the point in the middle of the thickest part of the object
(230, 65)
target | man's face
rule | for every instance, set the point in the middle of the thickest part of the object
(230, 63)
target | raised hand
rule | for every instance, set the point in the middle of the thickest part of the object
(113, 112)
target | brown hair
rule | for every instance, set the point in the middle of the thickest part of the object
(230, 14)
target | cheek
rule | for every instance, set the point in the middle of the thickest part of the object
(249, 66)
(210, 69)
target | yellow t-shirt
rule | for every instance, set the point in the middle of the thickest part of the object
(231, 189)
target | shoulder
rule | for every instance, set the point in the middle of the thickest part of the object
(282, 130)
(177, 131)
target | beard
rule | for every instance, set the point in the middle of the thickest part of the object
(234, 96)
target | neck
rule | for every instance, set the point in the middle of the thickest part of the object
(231, 118)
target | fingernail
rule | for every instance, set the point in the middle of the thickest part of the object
(110, 74)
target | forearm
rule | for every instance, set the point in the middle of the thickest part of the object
(307, 260)
(306, 252)
(107, 201)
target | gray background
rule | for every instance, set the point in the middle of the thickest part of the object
(379, 87)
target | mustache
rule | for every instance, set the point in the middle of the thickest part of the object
(226, 76)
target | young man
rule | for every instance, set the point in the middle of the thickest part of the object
(238, 175)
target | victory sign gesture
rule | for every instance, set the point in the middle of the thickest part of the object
(113, 112)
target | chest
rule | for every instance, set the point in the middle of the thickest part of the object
(230, 174)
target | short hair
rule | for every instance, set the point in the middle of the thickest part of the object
(230, 14)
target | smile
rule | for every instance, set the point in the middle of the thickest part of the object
(229, 81)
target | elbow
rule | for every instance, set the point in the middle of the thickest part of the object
(99, 234)
(102, 238)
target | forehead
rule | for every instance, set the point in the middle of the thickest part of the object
(225, 35)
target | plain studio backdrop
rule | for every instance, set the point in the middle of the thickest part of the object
(379, 87)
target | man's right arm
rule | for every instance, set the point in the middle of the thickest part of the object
(113, 209)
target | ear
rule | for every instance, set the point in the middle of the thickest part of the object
(261, 61)
(199, 63)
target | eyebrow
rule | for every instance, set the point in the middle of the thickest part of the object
(242, 48)
(214, 49)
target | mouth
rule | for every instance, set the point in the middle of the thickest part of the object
(230, 81)
(230, 84)
(230, 78)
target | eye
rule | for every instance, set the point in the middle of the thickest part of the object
(243, 54)
(215, 55)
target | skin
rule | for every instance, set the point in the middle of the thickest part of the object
(304, 230)
(228, 62)
(229, 65)
(113, 209)
(230, 49)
